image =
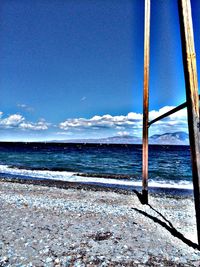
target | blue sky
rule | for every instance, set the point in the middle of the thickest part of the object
(74, 68)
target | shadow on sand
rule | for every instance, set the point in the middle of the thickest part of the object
(166, 223)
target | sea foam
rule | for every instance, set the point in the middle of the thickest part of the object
(75, 177)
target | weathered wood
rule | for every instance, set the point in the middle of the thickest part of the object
(146, 102)
(191, 83)
(176, 109)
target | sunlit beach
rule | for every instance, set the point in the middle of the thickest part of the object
(99, 133)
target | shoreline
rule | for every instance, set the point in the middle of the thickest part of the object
(94, 186)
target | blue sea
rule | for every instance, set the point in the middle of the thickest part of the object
(169, 166)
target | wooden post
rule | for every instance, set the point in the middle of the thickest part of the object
(146, 103)
(191, 84)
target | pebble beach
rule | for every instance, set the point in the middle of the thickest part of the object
(50, 226)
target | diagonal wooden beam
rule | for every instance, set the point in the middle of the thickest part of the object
(176, 109)
(191, 84)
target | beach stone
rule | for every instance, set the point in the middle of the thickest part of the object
(5, 259)
(68, 261)
(52, 229)
(49, 260)
(78, 263)
(44, 251)
(56, 261)
(145, 259)
(183, 260)
(104, 264)
(196, 263)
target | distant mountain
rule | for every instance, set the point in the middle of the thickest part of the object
(108, 140)
(126, 139)
(177, 138)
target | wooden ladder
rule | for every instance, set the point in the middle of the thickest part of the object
(192, 100)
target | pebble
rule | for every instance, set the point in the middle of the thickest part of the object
(59, 227)
(145, 259)
(49, 260)
(79, 264)
(56, 261)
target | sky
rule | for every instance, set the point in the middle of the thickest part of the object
(74, 68)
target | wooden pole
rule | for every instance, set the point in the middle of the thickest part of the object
(191, 84)
(146, 103)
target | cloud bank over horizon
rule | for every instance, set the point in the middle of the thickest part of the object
(130, 124)
(94, 127)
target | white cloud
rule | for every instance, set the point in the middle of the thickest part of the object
(12, 121)
(134, 116)
(181, 115)
(95, 118)
(105, 121)
(63, 133)
(21, 105)
(83, 98)
(173, 123)
(25, 107)
(41, 125)
(129, 123)
(123, 133)
(18, 121)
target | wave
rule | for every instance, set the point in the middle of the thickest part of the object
(64, 169)
(90, 178)
(36, 173)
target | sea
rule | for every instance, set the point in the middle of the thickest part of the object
(107, 164)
